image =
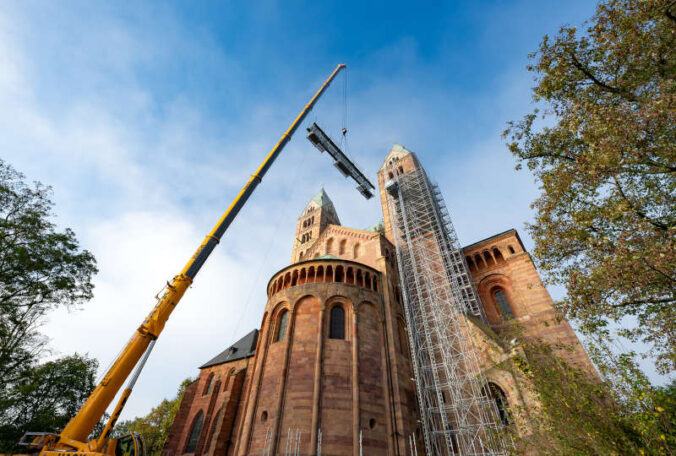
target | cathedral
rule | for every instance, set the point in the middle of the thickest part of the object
(329, 371)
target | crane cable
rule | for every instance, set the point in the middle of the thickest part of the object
(343, 138)
(344, 144)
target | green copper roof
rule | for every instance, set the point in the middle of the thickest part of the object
(322, 198)
(328, 256)
(400, 148)
(376, 227)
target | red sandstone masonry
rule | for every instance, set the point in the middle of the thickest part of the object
(177, 431)
(308, 381)
(533, 308)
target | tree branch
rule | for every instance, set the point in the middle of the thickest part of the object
(638, 212)
(598, 82)
(668, 12)
(663, 274)
(640, 302)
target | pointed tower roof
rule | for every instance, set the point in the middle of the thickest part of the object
(322, 201)
(322, 198)
(398, 151)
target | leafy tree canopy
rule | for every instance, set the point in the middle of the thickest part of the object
(578, 414)
(44, 398)
(605, 158)
(40, 269)
(155, 426)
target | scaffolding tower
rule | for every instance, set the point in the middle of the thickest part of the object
(458, 415)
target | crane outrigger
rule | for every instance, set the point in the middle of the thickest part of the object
(73, 439)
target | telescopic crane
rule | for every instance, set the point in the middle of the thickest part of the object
(74, 437)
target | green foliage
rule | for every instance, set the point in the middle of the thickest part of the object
(581, 415)
(605, 158)
(43, 398)
(155, 426)
(40, 269)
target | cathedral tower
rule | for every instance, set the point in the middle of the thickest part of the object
(330, 366)
(317, 215)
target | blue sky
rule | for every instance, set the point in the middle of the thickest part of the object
(147, 119)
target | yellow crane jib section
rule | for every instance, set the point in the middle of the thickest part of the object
(74, 435)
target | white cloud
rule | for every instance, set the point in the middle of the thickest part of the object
(141, 186)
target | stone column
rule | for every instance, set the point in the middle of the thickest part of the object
(316, 394)
(274, 438)
(355, 384)
(248, 422)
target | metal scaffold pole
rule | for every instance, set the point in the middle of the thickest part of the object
(458, 417)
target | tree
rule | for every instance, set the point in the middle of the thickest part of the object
(40, 269)
(579, 414)
(45, 397)
(155, 426)
(605, 159)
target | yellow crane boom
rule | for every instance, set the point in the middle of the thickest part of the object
(74, 436)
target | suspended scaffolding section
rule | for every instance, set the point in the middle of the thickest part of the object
(458, 417)
(323, 143)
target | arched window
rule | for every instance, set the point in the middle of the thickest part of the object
(349, 276)
(282, 325)
(329, 246)
(489, 259)
(470, 264)
(208, 385)
(503, 304)
(356, 251)
(194, 434)
(226, 380)
(511, 249)
(341, 249)
(498, 396)
(498, 256)
(214, 423)
(339, 274)
(337, 323)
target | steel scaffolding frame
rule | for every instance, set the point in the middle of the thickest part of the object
(458, 417)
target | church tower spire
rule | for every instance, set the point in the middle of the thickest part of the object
(317, 215)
